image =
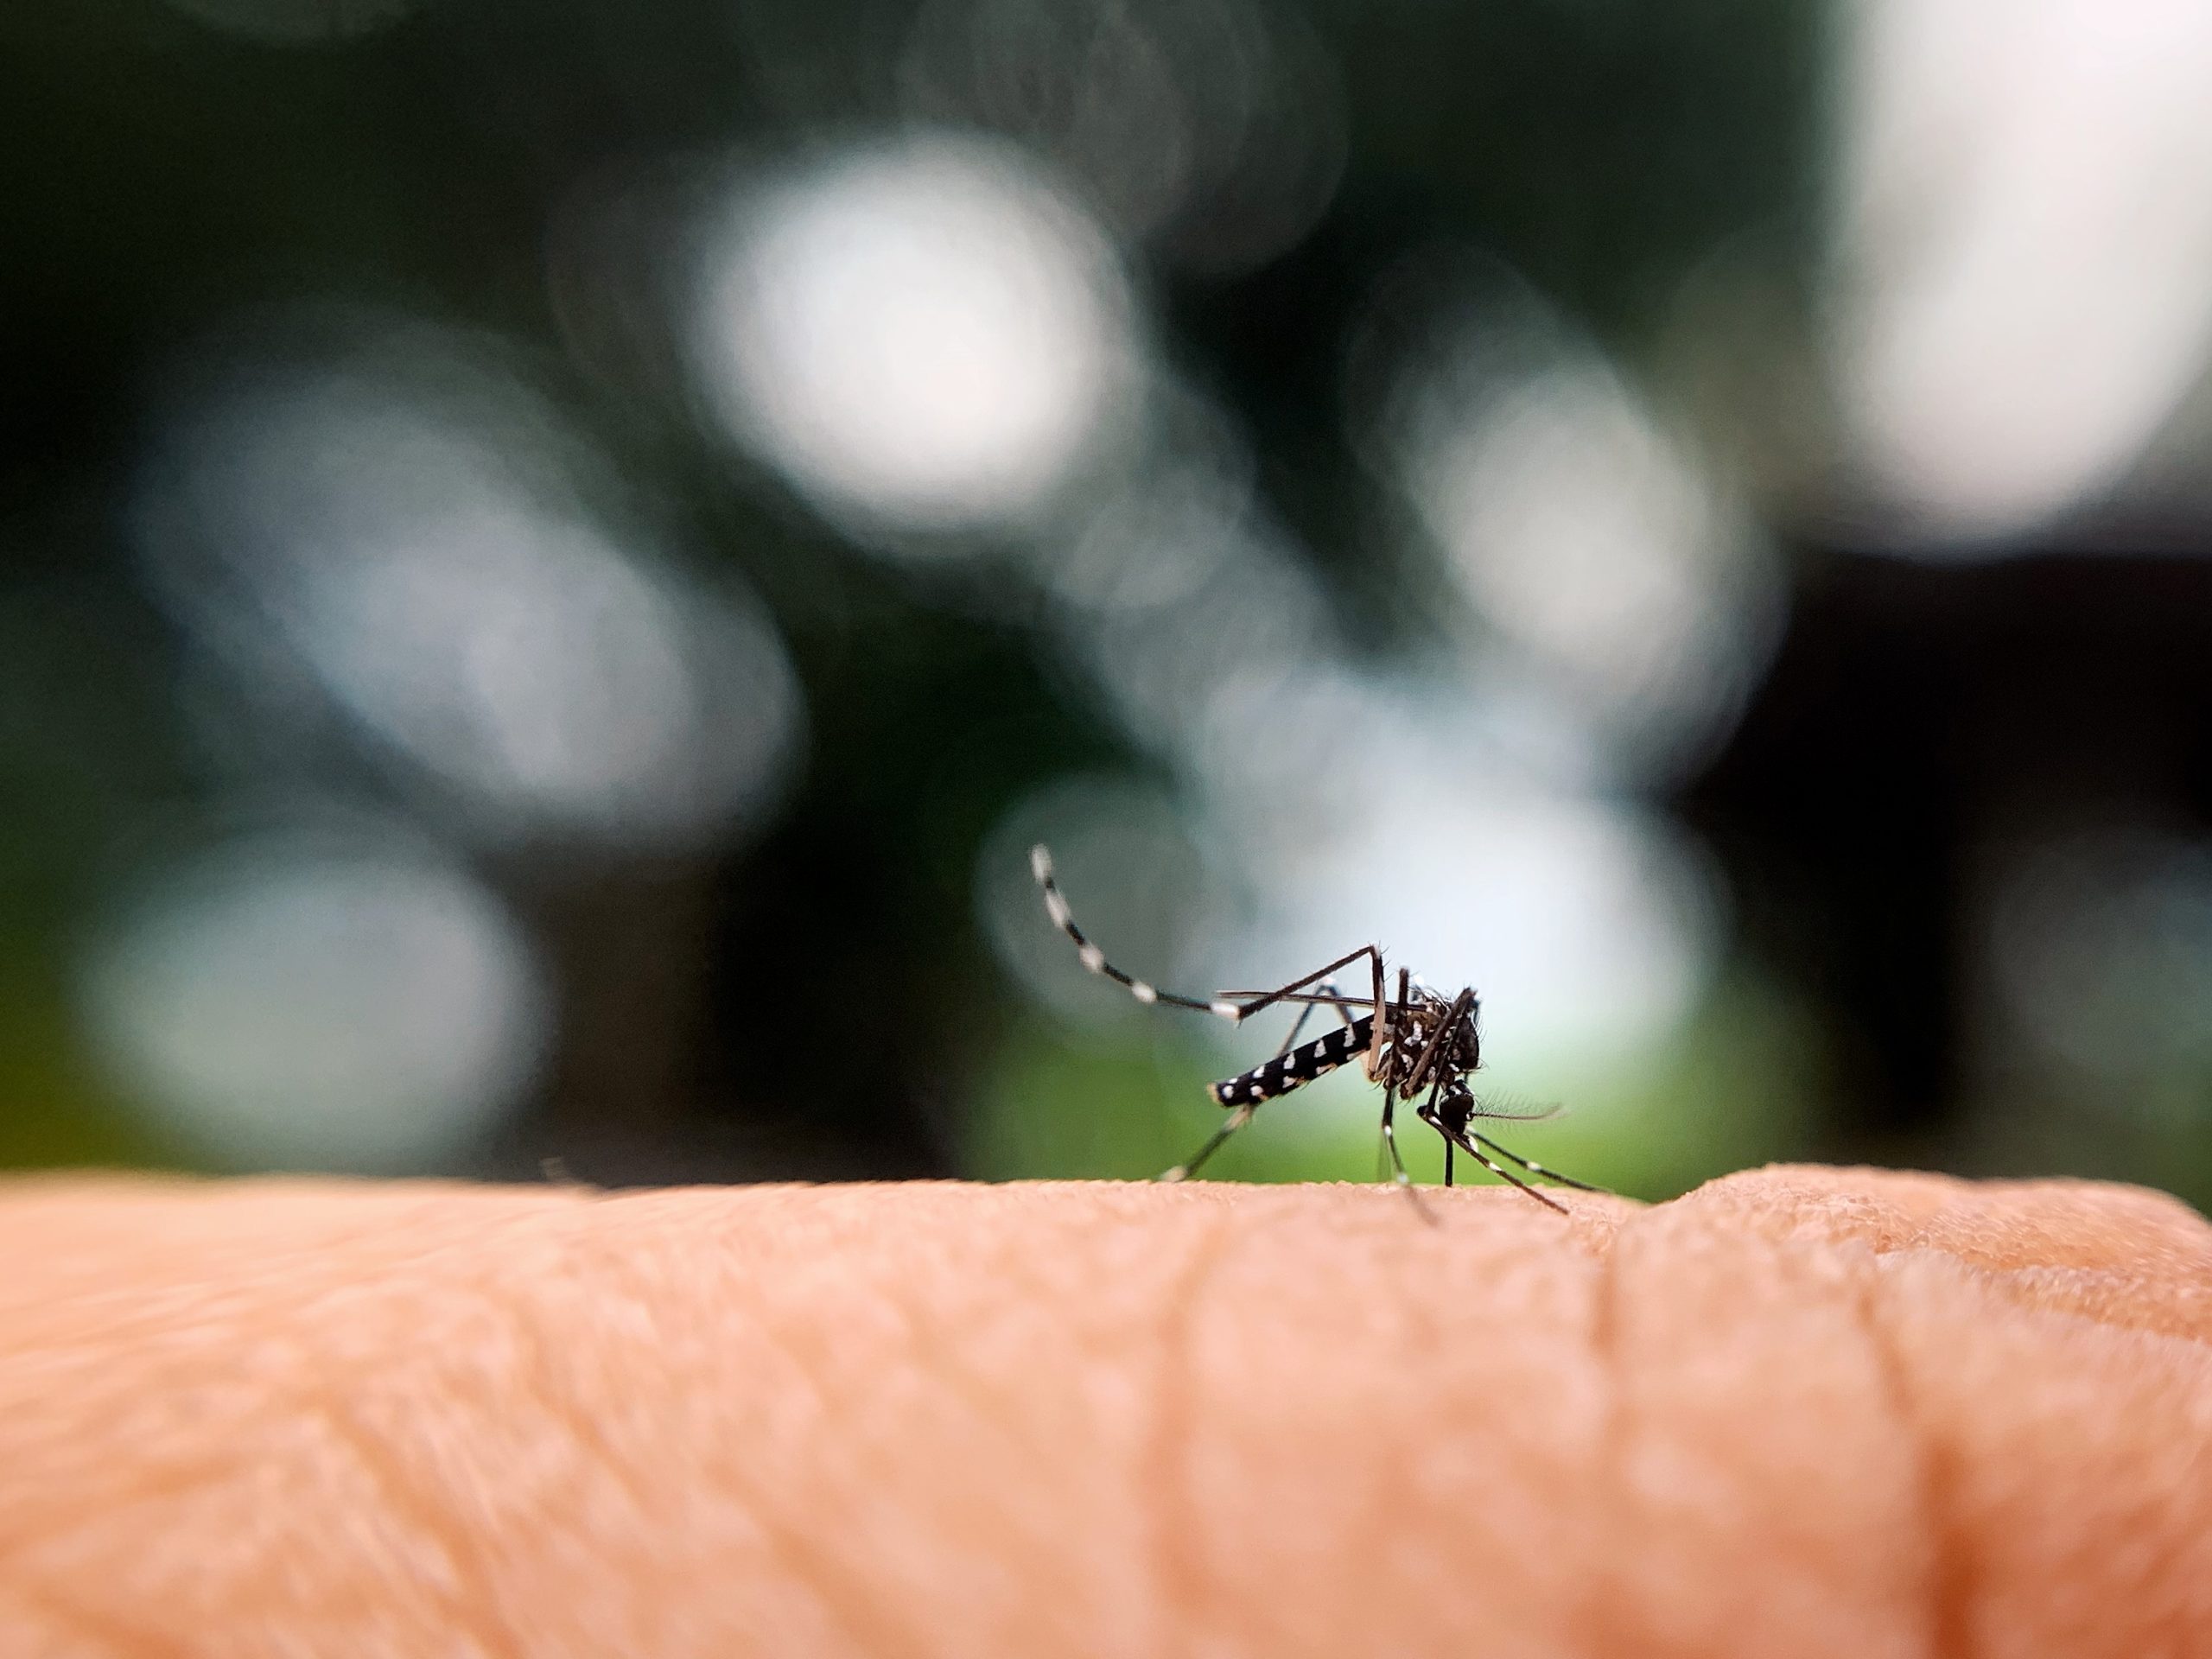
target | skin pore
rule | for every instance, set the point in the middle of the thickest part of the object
(1800, 1411)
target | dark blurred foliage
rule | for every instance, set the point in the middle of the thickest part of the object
(817, 999)
(1983, 701)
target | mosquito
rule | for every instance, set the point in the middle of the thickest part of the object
(1413, 1042)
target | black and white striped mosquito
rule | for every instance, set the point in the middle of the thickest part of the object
(1407, 1043)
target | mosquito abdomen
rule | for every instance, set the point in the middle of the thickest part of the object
(1301, 1064)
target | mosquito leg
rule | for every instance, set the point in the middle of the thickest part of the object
(1242, 1007)
(1498, 1170)
(1329, 998)
(1398, 1175)
(1390, 1140)
(1383, 1048)
(1336, 1000)
(1429, 1111)
(1379, 1042)
(1056, 906)
(1535, 1168)
(1297, 1024)
(1236, 1120)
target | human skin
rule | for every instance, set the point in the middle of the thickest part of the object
(1800, 1412)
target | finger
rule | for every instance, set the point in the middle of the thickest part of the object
(1800, 1411)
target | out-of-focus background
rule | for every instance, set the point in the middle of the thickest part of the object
(554, 558)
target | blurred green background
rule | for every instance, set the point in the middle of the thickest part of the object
(554, 559)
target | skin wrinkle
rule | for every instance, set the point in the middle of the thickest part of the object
(1499, 1457)
(330, 1402)
(1950, 1579)
(848, 1590)
(997, 1518)
(109, 1636)
(536, 1382)
(543, 1378)
(1604, 1609)
(222, 1484)
(1289, 1357)
(1732, 1451)
(1478, 1449)
(937, 1353)
(842, 1598)
(954, 1349)
(2052, 1403)
(1391, 1503)
(1165, 1463)
(2143, 1258)
(469, 1599)
(2162, 1281)
(170, 1481)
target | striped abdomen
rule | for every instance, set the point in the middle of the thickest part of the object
(1286, 1071)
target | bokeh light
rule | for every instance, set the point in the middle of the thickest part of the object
(296, 22)
(1212, 129)
(1583, 535)
(1590, 927)
(1664, 515)
(2023, 280)
(1161, 529)
(924, 335)
(2099, 944)
(333, 996)
(401, 521)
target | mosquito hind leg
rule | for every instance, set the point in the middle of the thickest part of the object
(1056, 906)
(1247, 1003)
(1236, 1120)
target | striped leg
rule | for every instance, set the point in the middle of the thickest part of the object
(1247, 1003)
(1236, 1120)
(1329, 997)
(1403, 1181)
(1535, 1168)
(1235, 1010)
(1430, 1118)
(1304, 1012)
(1382, 1051)
(1056, 906)
(1391, 1141)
